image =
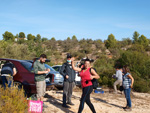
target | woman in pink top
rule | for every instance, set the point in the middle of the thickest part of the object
(86, 82)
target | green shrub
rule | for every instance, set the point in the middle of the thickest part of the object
(100, 81)
(111, 82)
(105, 80)
(141, 86)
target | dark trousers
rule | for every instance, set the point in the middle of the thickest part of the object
(67, 91)
(7, 80)
(86, 98)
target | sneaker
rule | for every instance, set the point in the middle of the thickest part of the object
(65, 106)
(70, 103)
(124, 107)
(44, 106)
(128, 109)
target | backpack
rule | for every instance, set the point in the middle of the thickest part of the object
(94, 81)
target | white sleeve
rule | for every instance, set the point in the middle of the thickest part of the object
(117, 73)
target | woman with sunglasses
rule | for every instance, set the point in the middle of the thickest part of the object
(86, 74)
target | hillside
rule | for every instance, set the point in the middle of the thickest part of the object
(107, 55)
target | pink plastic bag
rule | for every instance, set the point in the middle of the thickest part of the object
(35, 106)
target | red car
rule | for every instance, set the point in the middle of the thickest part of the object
(25, 76)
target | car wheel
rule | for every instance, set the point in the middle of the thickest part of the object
(59, 88)
(18, 84)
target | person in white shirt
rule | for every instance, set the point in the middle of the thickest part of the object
(119, 78)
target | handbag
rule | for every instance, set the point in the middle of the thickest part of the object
(121, 88)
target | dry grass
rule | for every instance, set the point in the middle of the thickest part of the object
(13, 100)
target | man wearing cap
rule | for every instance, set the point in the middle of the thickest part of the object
(69, 81)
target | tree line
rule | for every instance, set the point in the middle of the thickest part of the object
(109, 53)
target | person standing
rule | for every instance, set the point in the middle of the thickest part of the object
(69, 81)
(128, 81)
(119, 78)
(87, 87)
(40, 74)
(7, 73)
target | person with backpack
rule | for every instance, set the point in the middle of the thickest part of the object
(7, 73)
(69, 81)
(128, 81)
(87, 87)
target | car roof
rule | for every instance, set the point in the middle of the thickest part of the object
(12, 59)
(56, 65)
(36, 59)
(15, 60)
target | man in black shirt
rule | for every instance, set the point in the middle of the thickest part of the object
(69, 81)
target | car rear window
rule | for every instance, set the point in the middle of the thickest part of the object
(28, 66)
(47, 66)
(57, 68)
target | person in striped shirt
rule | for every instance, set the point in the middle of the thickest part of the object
(128, 81)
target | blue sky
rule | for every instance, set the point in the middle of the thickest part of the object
(92, 19)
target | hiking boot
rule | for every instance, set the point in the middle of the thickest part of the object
(44, 106)
(70, 103)
(65, 106)
(128, 109)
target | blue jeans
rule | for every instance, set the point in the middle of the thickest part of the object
(127, 95)
(6, 80)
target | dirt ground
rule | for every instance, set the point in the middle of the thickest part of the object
(103, 103)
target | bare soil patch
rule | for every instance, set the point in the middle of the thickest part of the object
(103, 103)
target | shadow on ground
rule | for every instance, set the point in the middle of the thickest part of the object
(57, 103)
(104, 101)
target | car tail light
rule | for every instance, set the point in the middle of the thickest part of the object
(53, 77)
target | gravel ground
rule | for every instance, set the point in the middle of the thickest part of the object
(103, 103)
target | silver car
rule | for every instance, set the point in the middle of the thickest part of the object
(58, 78)
(77, 78)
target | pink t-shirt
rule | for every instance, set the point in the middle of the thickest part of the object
(85, 78)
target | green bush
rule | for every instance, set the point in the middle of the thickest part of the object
(139, 64)
(105, 80)
(100, 81)
(141, 86)
(111, 82)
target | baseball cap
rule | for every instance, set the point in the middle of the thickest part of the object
(69, 55)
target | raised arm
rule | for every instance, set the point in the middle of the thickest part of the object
(75, 68)
(94, 74)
